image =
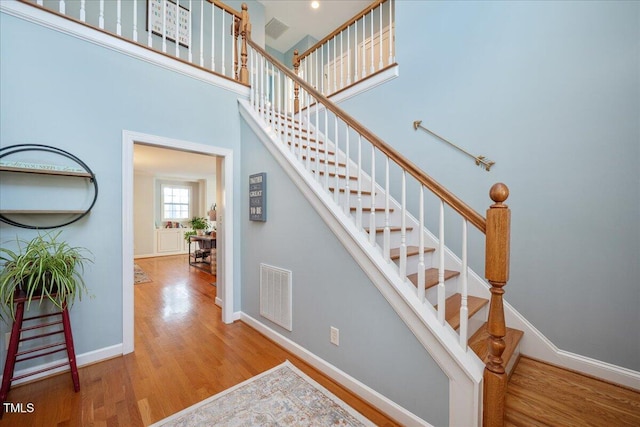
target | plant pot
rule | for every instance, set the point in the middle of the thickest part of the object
(200, 232)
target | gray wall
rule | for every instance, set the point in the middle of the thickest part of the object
(330, 289)
(551, 92)
(61, 91)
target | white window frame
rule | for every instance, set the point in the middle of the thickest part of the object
(189, 204)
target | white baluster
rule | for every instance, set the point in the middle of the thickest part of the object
(335, 71)
(347, 190)
(341, 60)
(421, 266)
(359, 200)
(364, 43)
(262, 103)
(322, 67)
(224, 73)
(101, 15)
(326, 151)
(190, 33)
(464, 310)
(281, 126)
(441, 287)
(83, 11)
(119, 17)
(61, 6)
(391, 38)
(318, 72)
(348, 56)
(372, 217)
(308, 100)
(213, 40)
(252, 89)
(234, 48)
(355, 49)
(202, 33)
(336, 194)
(403, 229)
(371, 47)
(177, 35)
(387, 229)
(164, 27)
(317, 127)
(149, 37)
(135, 21)
(40, 2)
(380, 64)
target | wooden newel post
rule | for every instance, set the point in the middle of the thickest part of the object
(296, 87)
(497, 273)
(245, 31)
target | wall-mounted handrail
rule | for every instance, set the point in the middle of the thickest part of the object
(445, 195)
(481, 161)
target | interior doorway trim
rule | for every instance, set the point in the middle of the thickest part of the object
(225, 278)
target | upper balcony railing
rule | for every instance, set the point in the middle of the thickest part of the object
(203, 33)
(358, 49)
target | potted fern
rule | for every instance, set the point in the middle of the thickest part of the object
(199, 224)
(44, 267)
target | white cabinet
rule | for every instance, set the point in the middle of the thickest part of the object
(170, 240)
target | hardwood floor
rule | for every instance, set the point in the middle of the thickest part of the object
(184, 354)
(543, 395)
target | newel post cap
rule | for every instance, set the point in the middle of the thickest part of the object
(499, 193)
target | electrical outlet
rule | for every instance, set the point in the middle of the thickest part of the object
(335, 336)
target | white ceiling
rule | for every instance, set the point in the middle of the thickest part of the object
(302, 20)
(172, 163)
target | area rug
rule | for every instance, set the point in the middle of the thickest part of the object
(139, 276)
(282, 396)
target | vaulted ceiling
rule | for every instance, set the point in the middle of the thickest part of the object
(303, 20)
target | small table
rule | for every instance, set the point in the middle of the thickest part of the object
(202, 254)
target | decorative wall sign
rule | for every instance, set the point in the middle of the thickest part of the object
(258, 197)
(175, 17)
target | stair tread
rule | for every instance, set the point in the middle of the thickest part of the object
(411, 250)
(323, 161)
(452, 308)
(479, 343)
(431, 276)
(381, 229)
(312, 148)
(340, 175)
(352, 191)
(368, 209)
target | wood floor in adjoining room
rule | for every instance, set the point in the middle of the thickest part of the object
(183, 354)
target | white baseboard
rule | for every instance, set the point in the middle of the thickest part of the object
(81, 360)
(376, 399)
(534, 344)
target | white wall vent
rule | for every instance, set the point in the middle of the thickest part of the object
(275, 28)
(275, 295)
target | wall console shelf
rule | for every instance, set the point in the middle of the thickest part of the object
(55, 168)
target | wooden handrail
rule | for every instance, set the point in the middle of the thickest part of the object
(337, 31)
(445, 195)
(227, 7)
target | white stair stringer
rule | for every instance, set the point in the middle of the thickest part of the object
(463, 368)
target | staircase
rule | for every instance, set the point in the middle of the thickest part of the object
(319, 156)
(338, 160)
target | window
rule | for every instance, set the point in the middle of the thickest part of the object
(176, 202)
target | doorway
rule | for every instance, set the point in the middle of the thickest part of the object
(222, 161)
